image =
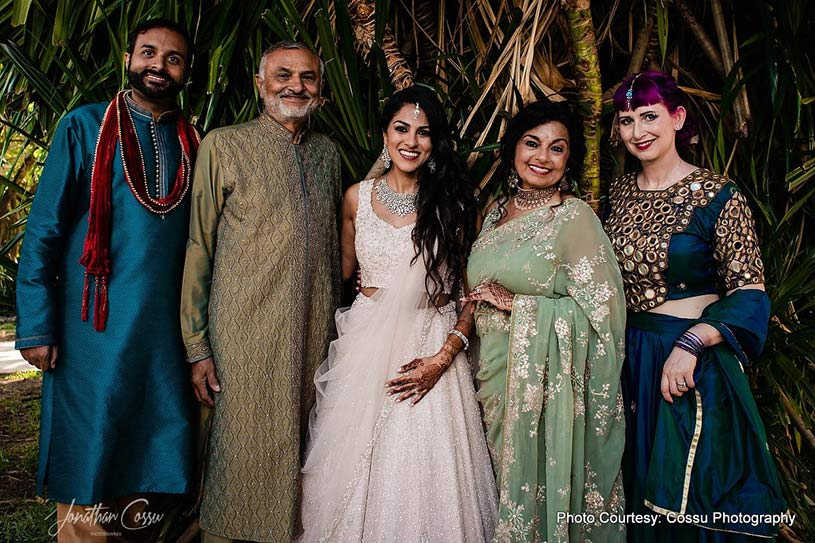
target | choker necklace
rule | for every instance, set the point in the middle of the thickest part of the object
(526, 199)
(398, 203)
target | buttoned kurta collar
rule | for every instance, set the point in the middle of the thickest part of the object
(281, 132)
(136, 109)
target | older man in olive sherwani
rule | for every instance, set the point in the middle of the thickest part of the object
(261, 283)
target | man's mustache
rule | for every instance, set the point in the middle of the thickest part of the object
(158, 73)
(304, 94)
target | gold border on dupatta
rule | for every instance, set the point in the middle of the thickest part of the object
(697, 431)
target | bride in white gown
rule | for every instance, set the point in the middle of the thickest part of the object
(396, 449)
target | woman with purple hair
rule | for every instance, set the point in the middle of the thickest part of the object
(696, 449)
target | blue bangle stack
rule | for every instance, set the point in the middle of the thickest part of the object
(690, 343)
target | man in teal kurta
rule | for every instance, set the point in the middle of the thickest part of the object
(98, 291)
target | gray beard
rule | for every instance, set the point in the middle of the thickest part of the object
(285, 113)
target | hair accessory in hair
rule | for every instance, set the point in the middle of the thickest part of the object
(629, 94)
(416, 111)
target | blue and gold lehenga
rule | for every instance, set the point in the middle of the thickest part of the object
(705, 455)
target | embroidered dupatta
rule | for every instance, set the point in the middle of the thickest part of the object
(549, 373)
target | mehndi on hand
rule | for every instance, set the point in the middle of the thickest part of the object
(493, 293)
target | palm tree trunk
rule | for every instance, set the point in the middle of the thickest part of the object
(363, 17)
(584, 43)
(363, 14)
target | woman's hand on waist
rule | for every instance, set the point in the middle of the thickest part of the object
(493, 293)
(420, 376)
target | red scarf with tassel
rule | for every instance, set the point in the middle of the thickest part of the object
(117, 125)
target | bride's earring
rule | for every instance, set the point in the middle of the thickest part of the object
(385, 157)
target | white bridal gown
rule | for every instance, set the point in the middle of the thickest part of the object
(380, 471)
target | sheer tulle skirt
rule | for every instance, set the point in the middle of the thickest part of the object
(409, 473)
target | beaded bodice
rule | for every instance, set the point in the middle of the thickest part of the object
(379, 245)
(695, 237)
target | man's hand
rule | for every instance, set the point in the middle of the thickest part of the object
(204, 381)
(43, 357)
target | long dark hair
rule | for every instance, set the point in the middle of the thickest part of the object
(532, 115)
(446, 203)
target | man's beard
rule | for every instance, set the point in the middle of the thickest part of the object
(285, 113)
(136, 80)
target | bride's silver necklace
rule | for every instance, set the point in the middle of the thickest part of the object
(526, 199)
(398, 203)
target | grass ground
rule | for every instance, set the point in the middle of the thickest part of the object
(7, 326)
(26, 517)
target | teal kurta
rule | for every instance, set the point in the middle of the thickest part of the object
(549, 374)
(117, 409)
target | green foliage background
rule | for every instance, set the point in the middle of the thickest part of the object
(756, 117)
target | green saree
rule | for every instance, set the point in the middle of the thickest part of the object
(549, 374)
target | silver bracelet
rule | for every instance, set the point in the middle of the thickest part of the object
(462, 337)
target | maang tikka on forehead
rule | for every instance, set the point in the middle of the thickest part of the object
(416, 112)
(629, 94)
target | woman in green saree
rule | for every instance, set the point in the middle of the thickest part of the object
(551, 319)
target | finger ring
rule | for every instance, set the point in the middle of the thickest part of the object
(478, 290)
(683, 384)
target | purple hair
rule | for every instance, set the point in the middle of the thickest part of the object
(655, 87)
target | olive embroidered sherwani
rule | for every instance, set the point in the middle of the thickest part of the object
(117, 409)
(261, 283)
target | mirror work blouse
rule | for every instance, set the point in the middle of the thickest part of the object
(695, 237)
